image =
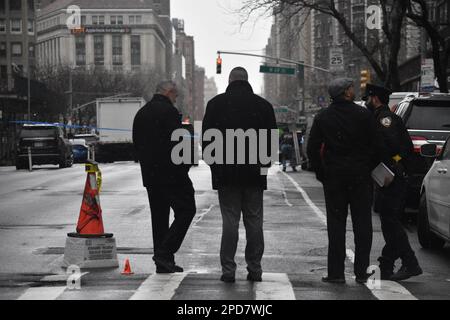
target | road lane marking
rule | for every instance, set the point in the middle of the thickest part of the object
(389, 290)
(275, 286)
(308, 200)
(159, 287)
(42, 293)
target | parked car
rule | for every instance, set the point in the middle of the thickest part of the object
(433, 223)
(427, 119)
(397, 97)
(47, 145)
(80, 150)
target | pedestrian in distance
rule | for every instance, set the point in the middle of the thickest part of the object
(168, 185)
(240, 186)
(343, 148)
(390, 200)
(287, 149)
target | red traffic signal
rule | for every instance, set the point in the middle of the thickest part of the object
(219, 65)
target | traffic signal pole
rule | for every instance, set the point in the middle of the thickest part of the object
(300, 87)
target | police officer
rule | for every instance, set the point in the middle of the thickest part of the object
(389, 200)
(343, 148)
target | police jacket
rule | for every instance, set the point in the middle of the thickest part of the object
(152, 130)
(397, 142)
(344, 142)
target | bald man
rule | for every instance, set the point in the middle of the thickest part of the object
(240, 186)
(168, 185)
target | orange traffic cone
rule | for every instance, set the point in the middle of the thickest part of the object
(90, 220)
(127, 268)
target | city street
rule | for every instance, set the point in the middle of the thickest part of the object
(39, 208)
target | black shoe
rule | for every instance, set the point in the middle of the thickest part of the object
(164, 266)
(254, 277)
(362, 279)
(227, 279)
(333, 280)
(406, 273)
(160, 269)
(386, 275)
(178, 268)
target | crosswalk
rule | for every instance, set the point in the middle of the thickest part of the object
(207, 286)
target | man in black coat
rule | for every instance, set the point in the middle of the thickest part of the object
(240, 185)
(390, 200)
(343, 148)
(168, 185)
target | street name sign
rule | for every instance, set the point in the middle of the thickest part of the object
(277, 70)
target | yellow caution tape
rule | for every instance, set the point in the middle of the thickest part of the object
(93, 168)
(397, 158)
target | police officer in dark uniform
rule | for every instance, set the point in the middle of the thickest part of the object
(343, 149)
(389, 200)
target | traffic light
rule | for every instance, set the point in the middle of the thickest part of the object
(365, 78)
(219, 65)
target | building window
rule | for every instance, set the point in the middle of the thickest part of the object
(15, 5)
(80, 50)
(16, 25)
(116, 19)
(100, 20)
(135, 50)
(2, 6)
(83, 20)
(3, 72)
(2, 49)
(135, 19)
(2, 25)
(99, 51)
(30, 26)
(117, 50)
(16, 49)
(31, 5)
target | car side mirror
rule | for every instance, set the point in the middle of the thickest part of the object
(429, 150)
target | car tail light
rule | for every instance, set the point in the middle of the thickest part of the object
(418, 142)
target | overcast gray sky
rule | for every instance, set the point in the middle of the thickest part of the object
(215, 27)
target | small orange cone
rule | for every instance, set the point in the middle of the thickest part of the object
(127, 268)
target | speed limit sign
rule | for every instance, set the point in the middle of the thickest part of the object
(337, 59)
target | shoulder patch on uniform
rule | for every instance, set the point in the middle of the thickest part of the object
(386, 122)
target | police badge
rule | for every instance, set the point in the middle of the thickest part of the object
(387, 122)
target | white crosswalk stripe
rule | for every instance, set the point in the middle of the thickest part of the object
(42, 293)
(275, 286)
(159, 287)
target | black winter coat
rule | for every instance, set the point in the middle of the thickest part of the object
(238, 108)
(152, 130)
(350, 143)
(396, 139)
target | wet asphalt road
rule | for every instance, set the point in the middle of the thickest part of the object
(38, 209)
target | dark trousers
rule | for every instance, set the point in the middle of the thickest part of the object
(340, 193)
(389, 202)
(168, 239)
(249, 201)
